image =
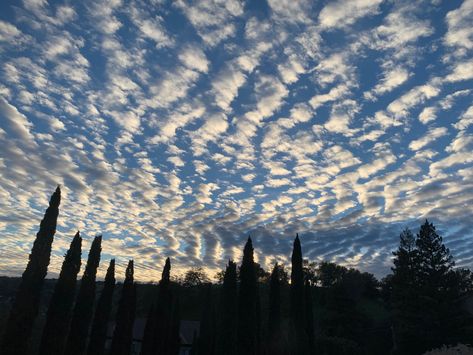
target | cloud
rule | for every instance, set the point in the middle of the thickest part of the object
(344, 122)
(430, 136)
(213, 20)
(460, 33)
(194, 58)
(212, 129)
(8, 32)
(342, 13)
(16, 123)
(461, 71)
(392, 78)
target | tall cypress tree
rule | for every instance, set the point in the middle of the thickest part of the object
(123, 333)
(298, 321)
(228, 312)
(83, 309)
(156, 334)
(247, 336)
(274, 343)
(60, 306)
(98, 333)
(26, 303)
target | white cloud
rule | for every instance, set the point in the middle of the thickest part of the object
(194, 58)
(428, 114)
(213, 20)
(392, 78)
(461, 71)
(428, 138)
(212, 129)
(419, 94)
(342, 13)
(8, 32)
(460, 31)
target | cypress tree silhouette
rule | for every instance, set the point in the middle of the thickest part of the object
(83, 309)
(123, 333)
(299, 341)
(98, 332)
(60, 306)
(275, 343)
(228, 312)
(207, 324)
(26, 303)
(247, 332)
(156, 337)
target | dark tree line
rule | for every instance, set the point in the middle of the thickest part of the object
(317, 309)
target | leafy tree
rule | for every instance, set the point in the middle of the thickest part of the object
(83, 309)
(226, 343)
(123, 333)
(196, 276)
(247, 331)
(98, 333)
(26, 302)
(310, 271)
(329, 274)
(60, 306)
(299, 338)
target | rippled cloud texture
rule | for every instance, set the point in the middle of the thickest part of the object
(177, 128)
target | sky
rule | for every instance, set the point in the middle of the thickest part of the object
(178, 128)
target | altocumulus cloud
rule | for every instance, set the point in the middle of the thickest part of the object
(178, 128)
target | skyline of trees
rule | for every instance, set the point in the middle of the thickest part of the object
(317, 309)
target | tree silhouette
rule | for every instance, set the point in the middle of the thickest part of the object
(83, 309)
(298, 322)
(196, 276)
(275, 341)
(404, 294)
(123, 332)
(434, 265)
(158, 336)
(247, 331)
(60, 306)
(228, 311)
(26, 303)
(98, 332)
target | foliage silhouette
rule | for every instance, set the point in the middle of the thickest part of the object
(59, 310)
(247, 330)
(123, 332)
(103, 310)
(26, 302)
(83, 309)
